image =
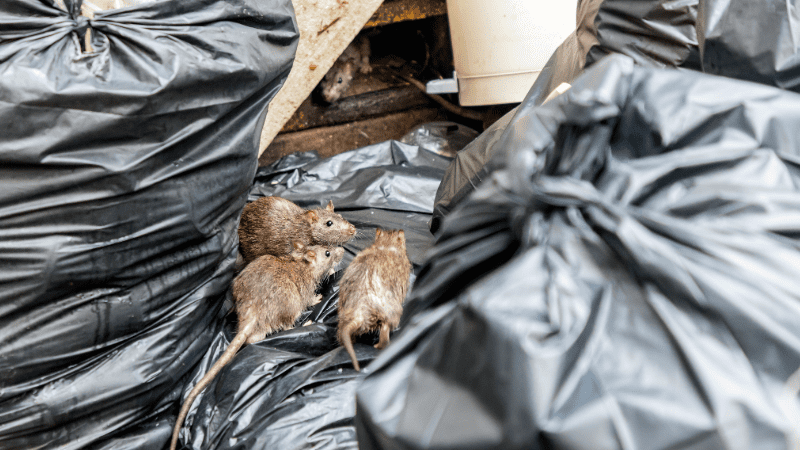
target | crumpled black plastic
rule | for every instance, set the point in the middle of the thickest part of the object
(296, 388)
(123, 173)
(741, 39)
(755, 41)
(655, 33)
(631, 279)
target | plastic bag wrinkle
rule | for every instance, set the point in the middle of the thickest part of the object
(613, 307)
(122, 187)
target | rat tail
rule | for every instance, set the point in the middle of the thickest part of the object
(345, 336)
(237, 343)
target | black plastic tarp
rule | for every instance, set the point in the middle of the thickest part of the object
(630, 280)
(123, 173)
(296, 388)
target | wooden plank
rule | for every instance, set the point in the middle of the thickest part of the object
(328, 141)
(357, 107)
(326, 28)
(402, 10)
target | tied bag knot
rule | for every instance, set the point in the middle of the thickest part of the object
(80, 25)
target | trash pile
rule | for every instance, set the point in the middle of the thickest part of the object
(732, 38)
(629, 280)
(295, 389)
(614, 264)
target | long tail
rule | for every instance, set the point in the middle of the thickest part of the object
(237, 343)
(345, 336)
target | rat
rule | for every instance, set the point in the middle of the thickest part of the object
(270, 294)
(270, 225)
(355, 58)
(372, 290)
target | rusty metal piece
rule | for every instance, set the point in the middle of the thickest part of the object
(402, 10)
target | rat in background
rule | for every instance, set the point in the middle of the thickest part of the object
(355, 58)
(269, 295)
(270, 225)
(372, 290)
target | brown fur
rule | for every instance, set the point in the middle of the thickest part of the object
(270, 294)
(270, 225)
(372, 290)
(355, 58)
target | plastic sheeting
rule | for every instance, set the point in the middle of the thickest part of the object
(656, 33)
(754, 41)
(469, 167)
(296, 388)
(630, 280)
(444, 138)
(741, 39)
(122, 176)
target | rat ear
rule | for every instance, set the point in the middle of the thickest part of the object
(378, 232)
(310, 256)
(311, 216)
(330, 205)
(297, 245)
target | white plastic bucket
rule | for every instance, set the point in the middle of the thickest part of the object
(500, 46)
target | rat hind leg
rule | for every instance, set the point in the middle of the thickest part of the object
(384, 339)
(258, 335)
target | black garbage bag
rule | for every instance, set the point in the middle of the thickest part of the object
(754, 41)
(742, 39)
(630, 280)
(655, 33)
(469, 168)
(296, 388)
(123, 173)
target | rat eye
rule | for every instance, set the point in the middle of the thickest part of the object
(330, 222)
(327, 253)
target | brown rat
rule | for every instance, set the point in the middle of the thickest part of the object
(354, 58)
(270, 294)
(270, 225)
(372, 290)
